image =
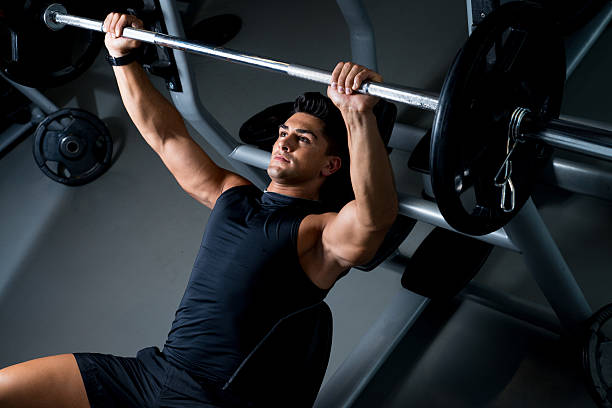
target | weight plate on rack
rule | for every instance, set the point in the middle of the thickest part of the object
(514, 58)
(73, 147)
(33, 55)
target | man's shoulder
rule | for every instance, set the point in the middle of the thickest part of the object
(239, 187)
(233, 181)
(312, 226)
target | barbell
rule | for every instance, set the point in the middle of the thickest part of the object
(495, 118)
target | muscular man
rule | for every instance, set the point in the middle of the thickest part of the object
(263, 256)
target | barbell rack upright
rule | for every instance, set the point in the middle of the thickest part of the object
(559, 133)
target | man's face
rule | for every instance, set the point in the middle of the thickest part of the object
(299, 153)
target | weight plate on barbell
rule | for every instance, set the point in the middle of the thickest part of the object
(514, 58)
(73, 147)
(33, 55)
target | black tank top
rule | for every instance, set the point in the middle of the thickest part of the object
(246, 277)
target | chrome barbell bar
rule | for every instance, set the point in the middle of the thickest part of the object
(55, 17)
(558, 133)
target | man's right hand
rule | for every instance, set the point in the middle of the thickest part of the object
(113, 26)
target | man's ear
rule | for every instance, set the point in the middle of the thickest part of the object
(332, 165)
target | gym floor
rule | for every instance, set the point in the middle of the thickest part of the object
(102, 267)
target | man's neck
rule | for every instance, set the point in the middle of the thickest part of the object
(300, 191)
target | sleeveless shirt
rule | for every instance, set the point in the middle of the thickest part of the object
(245, 278)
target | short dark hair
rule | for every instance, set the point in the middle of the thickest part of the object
(337, 189)
(322, 107)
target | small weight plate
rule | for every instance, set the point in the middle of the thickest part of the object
(73, 147)
(514, 58)
(597, 356)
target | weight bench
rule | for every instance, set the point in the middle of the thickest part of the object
(525, 233)
(286, 368)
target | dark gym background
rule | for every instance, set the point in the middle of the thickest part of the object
(102, 267)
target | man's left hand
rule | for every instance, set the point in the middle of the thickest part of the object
(347, 77)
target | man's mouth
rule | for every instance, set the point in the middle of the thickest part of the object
(282, 158)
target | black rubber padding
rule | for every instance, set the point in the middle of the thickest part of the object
(444, 263)
(215, 30)
(261, 129)
(419, 158)
(299, 344)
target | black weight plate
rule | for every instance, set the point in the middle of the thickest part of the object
(597, 356)
(73, 147)
(514, 58)
(33, 55)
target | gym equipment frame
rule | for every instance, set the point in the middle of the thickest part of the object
(525, 233)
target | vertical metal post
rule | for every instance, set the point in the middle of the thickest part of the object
(478, 10)
(579, 44)
(542, 256)
(363, 45)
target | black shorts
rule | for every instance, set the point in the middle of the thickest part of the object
(147, 380)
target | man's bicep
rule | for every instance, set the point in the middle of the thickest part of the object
(195, 172)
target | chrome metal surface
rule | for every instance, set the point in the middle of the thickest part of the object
(576, 137)
(428, 212)
(410, 96)
(423, 100)
(80, 22)
(556, 133)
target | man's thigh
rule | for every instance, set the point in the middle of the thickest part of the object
(112, 381)
(45, 382)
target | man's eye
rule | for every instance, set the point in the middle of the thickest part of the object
(304, 139)
(283, 134)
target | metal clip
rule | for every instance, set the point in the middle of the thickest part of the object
(506, 168)
(508, 186)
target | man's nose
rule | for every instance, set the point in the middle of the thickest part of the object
(287, 143)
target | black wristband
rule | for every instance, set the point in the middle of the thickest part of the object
(126, 59)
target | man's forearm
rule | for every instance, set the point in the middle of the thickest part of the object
(154, 116)
(371, 172)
